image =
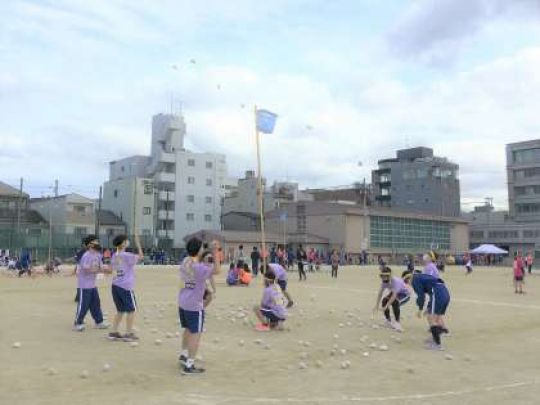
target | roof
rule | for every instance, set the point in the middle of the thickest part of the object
(250, 215)
(27, 217)
(71, 197)
(315, 208)
(106, 217)
(7, 190)
(234, 236)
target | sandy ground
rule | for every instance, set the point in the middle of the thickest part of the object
(495, 336)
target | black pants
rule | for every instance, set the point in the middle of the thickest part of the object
(334, 271)
(395, 308)
(25, 270)
(301, 271)
(89, 300)
(255, 268)
(530, 268)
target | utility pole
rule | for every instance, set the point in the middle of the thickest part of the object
(98, 212)
(19, 203)
(50, 230)
(56, 188)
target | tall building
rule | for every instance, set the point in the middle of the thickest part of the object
(523, 175)
(176, 191)
(418, 181)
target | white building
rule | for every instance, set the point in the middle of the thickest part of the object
(178, 192)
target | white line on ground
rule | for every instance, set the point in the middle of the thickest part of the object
(465, 300)
(226, 399)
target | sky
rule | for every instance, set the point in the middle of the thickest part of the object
(352, 81)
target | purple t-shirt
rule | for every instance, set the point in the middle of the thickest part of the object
(279, 271)
(91, 260)
(193, 277)
(123, 264)
(274, 301)
(397, 286)
(431, 269)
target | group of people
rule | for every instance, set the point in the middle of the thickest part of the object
(427, 283)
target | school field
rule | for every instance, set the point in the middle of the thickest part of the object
(494, 346)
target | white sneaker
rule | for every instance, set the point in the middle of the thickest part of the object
(397, 327)
(434, 346)
(388, 324)
(102, 325)
(79, 328)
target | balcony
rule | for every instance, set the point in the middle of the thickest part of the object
(166, 157)
(162, 233)
(165, 215)
(162, 196)
(163, 177)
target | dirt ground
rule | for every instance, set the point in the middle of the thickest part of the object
(494, 346)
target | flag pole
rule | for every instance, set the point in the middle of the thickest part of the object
(261, 191)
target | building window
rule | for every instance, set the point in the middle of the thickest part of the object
(148, 188)
(34, 232)
(79, 231)
(147, 210)
(208, 200)
(477, 234)
(115, 193)
(79, 209)
(190, 198)
(208, 218)
(190, 217)
(209, 165)
(146, 232)
(208, 182)
(527, 155)
(122, 169)
(191, 180)
(191, 162)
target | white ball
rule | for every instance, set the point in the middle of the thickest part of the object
(449, 357)
(16, 345)
(373, 346)
(343, 352)
(301, 342)
(106, 367)
(344, 365)
(154, 330)
(134, 344)
(319, 364)
(84, 374)
(216, 340)
(383, 348)
(169, 335)
(241, 343)
(307, 344)
(158, 342)
(349, 323)
(302, 366)
(375, 326)
(341, 325)
(335, 346)
(52, 371)
(365, 354)
(267, 347)
(336, 336)
(303, 356)
(398, 340)
(177, 334)
(257, 341)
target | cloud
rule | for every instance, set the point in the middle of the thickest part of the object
(433, 32)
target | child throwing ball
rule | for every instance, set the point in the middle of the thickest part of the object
(123, 285)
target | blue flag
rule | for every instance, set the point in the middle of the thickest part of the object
(266, 121)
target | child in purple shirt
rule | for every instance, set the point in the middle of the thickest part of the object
(123, 284)
(90, 265)
(281, 279)
(271, 313)
(430, 267)
(399, 295)
(194, 274)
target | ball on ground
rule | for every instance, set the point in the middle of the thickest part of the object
(302, 365)
(319, 364)
(365, 354)
(85, 374)
(16, 345)
(158, 342)
(383, 348)
(449, 357)
(52, 371)
(134, 344)
(241, 343)
(106, 367)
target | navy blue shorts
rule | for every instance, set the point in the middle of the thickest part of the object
(439, 300)
(403, 298)
(191, 320)
(282, 284)
(124, 300)
(270, 316)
